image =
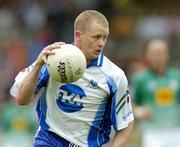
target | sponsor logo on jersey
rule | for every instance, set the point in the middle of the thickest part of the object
(70, 98)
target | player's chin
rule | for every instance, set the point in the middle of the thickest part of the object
(96, 54)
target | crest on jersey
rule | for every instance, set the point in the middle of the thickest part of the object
(70, 98)
(93, 84)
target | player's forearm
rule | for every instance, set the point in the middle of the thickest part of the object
(27, 86)
(121, 137)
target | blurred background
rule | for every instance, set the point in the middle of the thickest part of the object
(26, 26)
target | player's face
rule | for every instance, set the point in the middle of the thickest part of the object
(157, 54)
(93, 40)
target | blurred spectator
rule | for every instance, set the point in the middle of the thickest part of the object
(60, 18)
(7, 23)
(33, 15)
(173, 25)
(17, 54)
(157, 98)
(85, 4)
(5, 73)
(148, 27)
(39, 40)
(122, 26)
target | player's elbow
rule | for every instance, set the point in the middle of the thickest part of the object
(21, 101)
(131, 125)
(24, 97)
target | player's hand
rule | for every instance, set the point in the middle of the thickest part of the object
(143, 113)
(48, 50)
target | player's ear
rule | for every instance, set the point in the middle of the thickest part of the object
(77, 35)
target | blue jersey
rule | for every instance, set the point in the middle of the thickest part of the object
(82, 112)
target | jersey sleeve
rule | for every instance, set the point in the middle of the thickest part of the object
(122, 106)
(42, 79)
(20, 76)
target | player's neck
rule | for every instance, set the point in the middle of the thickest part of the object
(160, 70)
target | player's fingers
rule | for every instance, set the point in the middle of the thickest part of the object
(47, 52)
(45, 60)
(52, 46)
(59, 43)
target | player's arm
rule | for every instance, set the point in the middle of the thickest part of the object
(121, 137)
(27, 86)
(123, 114)
(141, 112)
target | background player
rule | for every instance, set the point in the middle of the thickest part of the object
(157, 97)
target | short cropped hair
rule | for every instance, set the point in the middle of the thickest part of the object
(86, 18)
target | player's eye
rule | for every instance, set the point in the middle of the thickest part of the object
(97, 36)
(105, 38)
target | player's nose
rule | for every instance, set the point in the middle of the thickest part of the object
(101, 42)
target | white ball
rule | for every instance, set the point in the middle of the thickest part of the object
(67, 65)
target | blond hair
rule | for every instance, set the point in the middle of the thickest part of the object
(86, 18)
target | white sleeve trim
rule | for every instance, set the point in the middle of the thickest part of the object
(14, 89)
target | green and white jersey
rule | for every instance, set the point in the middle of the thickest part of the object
(162, 94)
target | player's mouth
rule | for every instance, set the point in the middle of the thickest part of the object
(97, 52)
